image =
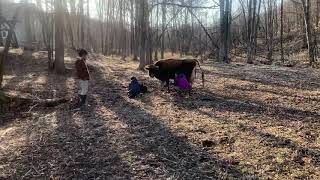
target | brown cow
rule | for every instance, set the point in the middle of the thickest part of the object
(165, 69)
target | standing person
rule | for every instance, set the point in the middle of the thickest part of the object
(83, 76)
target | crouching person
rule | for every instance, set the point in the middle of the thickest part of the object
(83, 77)
(182, 84)
(135, 88)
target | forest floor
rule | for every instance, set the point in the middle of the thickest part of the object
(249, 122)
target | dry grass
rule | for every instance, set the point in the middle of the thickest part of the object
(259, 122)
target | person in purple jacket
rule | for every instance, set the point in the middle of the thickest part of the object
(182, 83)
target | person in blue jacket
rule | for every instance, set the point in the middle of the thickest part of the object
(135, 88)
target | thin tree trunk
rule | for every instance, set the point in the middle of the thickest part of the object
(222, 30)
(82, 39)
(132, 40)
(27, 24)
(137, 30)
(281, 33)
(308, 30)
(164, 21)
(249, 36)
(1, 41)
(59, 39)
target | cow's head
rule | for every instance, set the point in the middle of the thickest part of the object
(153, 70)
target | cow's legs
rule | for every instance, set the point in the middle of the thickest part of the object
(163, 84)
(168, 84)
(193, 76)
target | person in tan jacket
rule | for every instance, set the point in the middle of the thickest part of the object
(83, 76)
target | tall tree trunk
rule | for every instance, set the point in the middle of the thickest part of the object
(88, 26)
(225, 29)
(318, 13)
(228, 13)
(132, 27)
(253, 24)
(82, 20)
(136, 30)
(249, 36)
(164, 21)
(270, 34)
(144, 34)
(308, 30)
(1, 40)
(157, 34)
(281, 33)
(222, 30)
(59, 39)
(69, 28)
(27, 23)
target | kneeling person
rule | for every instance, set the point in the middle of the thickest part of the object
(182, 83)
(135, 88)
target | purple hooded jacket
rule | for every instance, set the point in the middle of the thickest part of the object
(182, 82)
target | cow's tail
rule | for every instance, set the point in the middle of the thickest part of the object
(202, 73)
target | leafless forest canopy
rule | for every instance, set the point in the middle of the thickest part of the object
(264, 30)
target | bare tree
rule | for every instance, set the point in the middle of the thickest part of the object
(1, 21)
(281, 33)
(46, 21)
(164, 21)
(308, 29)
(269, 26)
(225, 27)
(59, 39)
(253, 24)
(144, 34)
(88, 26)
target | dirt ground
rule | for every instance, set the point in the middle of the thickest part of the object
(249, 122)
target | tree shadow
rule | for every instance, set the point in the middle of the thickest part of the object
(288, 78)
(281, 142)
(207, 99)
(226, 104)
(272, 91)
(72, 149)
(274, 141)
(172, 155)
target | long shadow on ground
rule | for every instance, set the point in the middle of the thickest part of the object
(172, 154)
(72, 150)
(226, 104)
(59, 147)
(289, 78)
(221, 103)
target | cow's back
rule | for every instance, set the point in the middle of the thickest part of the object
(169, 67)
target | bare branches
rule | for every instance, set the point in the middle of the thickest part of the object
(182, 5)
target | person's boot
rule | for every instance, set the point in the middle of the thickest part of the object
(81, 102)
(76, 106)
(83, 99)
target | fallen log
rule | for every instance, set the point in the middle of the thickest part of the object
(3, 98)
(53, 102)
(19, 100)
